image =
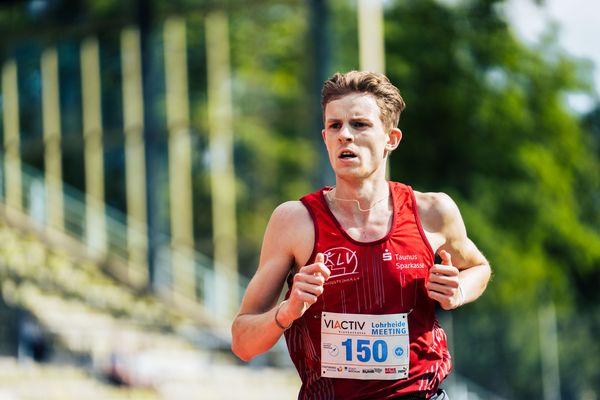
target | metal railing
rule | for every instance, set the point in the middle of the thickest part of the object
(209, 286)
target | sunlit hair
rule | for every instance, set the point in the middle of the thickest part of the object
(386, 95)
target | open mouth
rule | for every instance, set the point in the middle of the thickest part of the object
(344, 155)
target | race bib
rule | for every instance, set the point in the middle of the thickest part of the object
(364, 346)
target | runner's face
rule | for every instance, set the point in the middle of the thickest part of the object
(355, 137)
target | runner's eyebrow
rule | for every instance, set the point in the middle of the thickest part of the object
(364, 120)
(351, 119)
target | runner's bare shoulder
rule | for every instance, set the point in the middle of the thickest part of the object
(440, 217)
(436, 209)
(292, 212)
(292, 226)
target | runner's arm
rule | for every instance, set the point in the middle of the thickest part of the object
(465, 272)
(289, 236)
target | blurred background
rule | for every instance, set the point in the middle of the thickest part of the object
(145, 144)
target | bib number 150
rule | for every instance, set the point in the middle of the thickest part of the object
(364, 350)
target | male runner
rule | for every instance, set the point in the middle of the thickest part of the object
(359, 314)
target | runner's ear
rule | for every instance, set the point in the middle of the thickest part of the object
(394, 138)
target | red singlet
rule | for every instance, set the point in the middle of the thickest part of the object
(386, 276)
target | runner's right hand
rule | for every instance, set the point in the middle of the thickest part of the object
(308, 285)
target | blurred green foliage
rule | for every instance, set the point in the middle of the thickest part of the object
(487, 122)
(274, 153)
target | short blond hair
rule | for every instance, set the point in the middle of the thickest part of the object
(386, 95)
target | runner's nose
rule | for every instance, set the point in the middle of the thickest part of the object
(345, 135)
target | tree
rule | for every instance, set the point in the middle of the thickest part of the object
(487, 122)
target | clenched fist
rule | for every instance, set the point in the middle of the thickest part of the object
(443, 285)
